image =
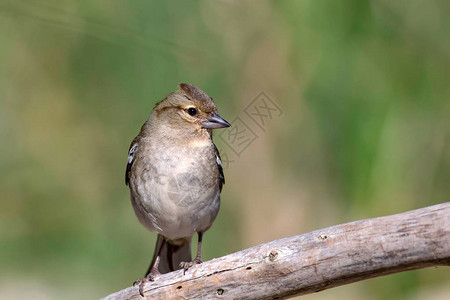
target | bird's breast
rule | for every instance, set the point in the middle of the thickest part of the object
(176, 187)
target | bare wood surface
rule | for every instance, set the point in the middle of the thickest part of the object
(314, 261)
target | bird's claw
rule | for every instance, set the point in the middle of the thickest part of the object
(143, 281)
(187, 265)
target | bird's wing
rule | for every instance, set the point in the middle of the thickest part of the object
(219, 166)
(131, 157)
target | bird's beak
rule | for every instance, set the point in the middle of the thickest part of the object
(215, 121)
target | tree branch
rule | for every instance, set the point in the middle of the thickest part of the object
(314, 261)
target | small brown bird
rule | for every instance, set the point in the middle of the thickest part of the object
(175, 176)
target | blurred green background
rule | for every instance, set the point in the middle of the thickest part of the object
(364, 91)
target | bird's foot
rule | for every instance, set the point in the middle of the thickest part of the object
(186, 265)
(150, 277)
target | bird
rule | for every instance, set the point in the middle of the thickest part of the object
(175, 176)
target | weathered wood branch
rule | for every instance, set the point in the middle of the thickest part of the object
(314, 261)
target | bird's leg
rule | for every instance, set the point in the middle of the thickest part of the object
(153, 271)
(198, 258)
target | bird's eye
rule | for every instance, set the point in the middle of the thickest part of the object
(192, 111)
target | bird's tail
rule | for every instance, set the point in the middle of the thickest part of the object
(171, 255)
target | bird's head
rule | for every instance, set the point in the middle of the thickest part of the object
(189, 107)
